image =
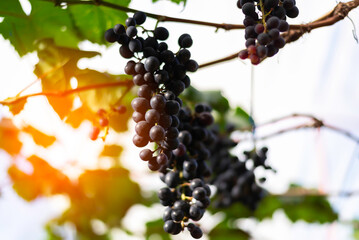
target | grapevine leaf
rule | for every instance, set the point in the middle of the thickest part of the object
(156, 227)
(309, 208)
(56, 67)
(240, 118)
(225, 230)
(112, 151)
(39, 137)
(214, 98)
(101, 97)
(102, 18)
(106, 98)
(267, 207)
(44, 21)
(16, 107)
(105, 195)
(9, 137)
(235, 211)
(77, 116)
(43, 181)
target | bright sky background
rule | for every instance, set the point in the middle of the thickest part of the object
(317, 75)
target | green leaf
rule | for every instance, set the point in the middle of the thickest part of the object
(214, 98)
(298, 205)
(92, 21)
(156, 228)
(310, 209)
(44, 21)
(267, 207)
(226, 230)
(240, 119)
(39, 137)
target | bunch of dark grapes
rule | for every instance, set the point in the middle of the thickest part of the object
(179, 135)
(264, 21)
(187, 195)
(235, 179)
(161, 77)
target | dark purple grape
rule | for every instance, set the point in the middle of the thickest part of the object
(161, 77)
(177, 215)
(119, 29)
(274, 33)
(191, 65)
(248, 8)
(152, 64)
(262, 51)
(130, 67)
(185, 137)
(250, 41)
(161, 33)
(157, 133)
(183, 55)
(146, 154)
(140, 68)
(165, 121)
(162, 47)
(293, 12)
(135, 45)
(158, 102)
(272, 22)
(151, 42)
(125, 52)
(140, 17)
(196, 232)
(283, 26)
(162, 159)
(152, 116)
(137, 116)
(123, 39)
(167, 214)
(172, 107)
(131, 31)
(110, 35)
(140, 104)
(175, 121)
(138, 80)
(279, 42)
(130, 22)
(186, 41)
(139, 141)
(172, 179)
(153, 165)
(145, 91)
(142, 128)
(263, 39)
(167, 56)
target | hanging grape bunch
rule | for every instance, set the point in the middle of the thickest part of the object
(264, 21)
(234, 179)
(179, 135)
